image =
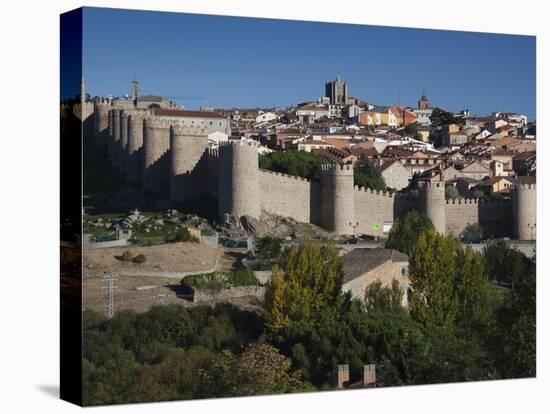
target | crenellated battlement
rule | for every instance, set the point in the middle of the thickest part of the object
(279, 174)
(525, 187)
(335, 168)
(158, 123)
(213, 152)
(476, 201)
(174, 158)
(234, 143)
(389, 194)
(180, 129)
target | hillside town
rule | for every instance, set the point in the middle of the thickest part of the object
(479, 155)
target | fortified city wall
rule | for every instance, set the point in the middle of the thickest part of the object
(172, 159)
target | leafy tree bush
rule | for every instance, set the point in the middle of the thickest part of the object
(473, 233)
(380, 299)
(159, 354)
(367, 173)
(140, 258)
(504, 264)
(184, 235)
(451, 193)
(298, 163)
(261, 369)
(441, 117)
(449, 284)
(306, 286)
(406, 230)
(268, 248)
(411, 130)
(217, 280)
(478, 194)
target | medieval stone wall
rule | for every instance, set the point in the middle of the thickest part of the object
(176, 160)
(289, 196)
(156, 143)
(495, 217)
(372, 210)
(187, 146)
(239, 182)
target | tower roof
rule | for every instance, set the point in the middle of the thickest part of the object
(423, 98)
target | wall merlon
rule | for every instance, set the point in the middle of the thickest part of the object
(280, 174)
(158, 123)
(179, 129)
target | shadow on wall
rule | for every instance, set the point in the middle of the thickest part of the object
(156, 176)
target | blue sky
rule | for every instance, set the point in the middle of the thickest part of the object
(224, 61)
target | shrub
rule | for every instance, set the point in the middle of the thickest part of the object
(268, 248)
(184, 235)
(473, 233)
(451, 193)
(217, 280)
(127, 256)
(298, 163)
(140, 258)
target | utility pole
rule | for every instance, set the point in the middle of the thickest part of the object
(108, 280)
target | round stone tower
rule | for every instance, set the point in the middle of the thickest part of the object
(115, 152)
(156, 144)
(187, 146)
(524, 211)
(239, 179)
(338, 199)
(134, 162)
(101, 121)
(433, 204)
(123, 140)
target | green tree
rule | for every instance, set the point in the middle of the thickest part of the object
(515, 337)
(367, 173)
(411, 130)
(504, 264)
(441, 117)
(432, 267)
(305, 287)
(260, 369)
(451, 193)
(449, 284)
(268, 248)
(472, 289)
(380, 299)
(405, 231)
(472, 233)
(298, 163)
(184, 235)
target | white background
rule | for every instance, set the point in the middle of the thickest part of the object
(29, 194)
